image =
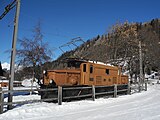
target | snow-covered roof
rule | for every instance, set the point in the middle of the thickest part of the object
(4, 81)
(100, 63)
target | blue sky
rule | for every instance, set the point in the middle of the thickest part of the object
(63, 20)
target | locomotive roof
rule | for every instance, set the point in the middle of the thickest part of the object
(86, 61)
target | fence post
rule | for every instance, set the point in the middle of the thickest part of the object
(115, 90)
(93, 93)
(129, 89)
(145, 86)
(59, 95)
(1, 100)
(139, 88)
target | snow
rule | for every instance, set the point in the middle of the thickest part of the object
(5, 65)
(153, 75)
(25, 82)
(138, 106)
(24, 98)
(100, 63)
(28, 82)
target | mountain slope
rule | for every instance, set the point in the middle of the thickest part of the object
(115, 44)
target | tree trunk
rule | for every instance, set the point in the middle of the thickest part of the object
(33, 75)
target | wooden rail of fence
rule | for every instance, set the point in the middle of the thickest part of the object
(60, 94)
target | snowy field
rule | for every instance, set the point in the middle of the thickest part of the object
(138, 106)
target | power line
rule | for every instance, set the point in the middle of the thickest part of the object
(72, 42)
(7, 9)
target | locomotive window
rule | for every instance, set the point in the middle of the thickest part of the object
(84, 67)
(75, 64)
(91, 69)
(107, 71)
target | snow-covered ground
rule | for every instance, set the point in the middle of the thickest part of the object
(138, 106)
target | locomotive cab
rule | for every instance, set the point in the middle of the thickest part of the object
(74, 63)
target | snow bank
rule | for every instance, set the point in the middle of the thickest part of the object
(28, 82)
(24, 98)
(139, 106)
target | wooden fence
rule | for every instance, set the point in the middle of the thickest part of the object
(60, 97)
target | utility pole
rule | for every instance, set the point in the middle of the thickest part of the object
(141, 67)
(13, 54)
(13, 50)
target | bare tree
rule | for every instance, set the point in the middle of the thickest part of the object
(123, 47)
(150, 47)
(123, 42)
(33, 52)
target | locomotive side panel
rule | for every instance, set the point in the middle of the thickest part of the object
(124, 79)
(105, 75)
(48, 77)
(62, 77)
(94, 74)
